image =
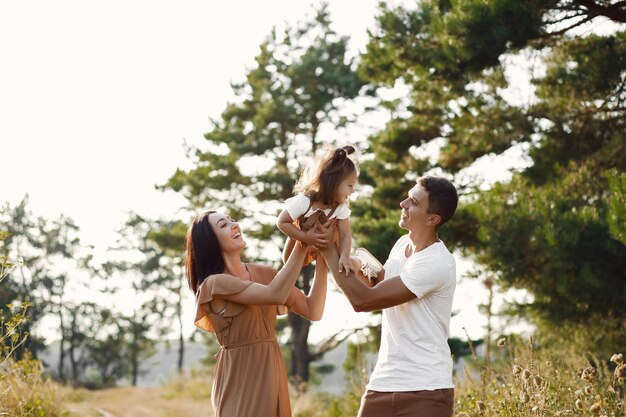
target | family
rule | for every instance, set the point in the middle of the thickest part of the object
(239, 301)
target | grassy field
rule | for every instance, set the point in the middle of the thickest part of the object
(520, 379)
(134, 402)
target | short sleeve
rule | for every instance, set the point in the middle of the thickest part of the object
(342, 212)
(297, 205)
(213, 286)
(423, 274)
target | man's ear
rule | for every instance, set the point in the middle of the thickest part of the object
(434, 220)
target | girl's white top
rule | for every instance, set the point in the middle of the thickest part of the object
(414, 353)
(298, 204)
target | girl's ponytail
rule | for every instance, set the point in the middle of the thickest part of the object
(342, 153)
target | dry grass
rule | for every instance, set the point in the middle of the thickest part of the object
(25, 392)
(185, 396)
(524, 382)
(520, 382)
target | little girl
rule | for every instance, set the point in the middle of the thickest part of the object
(323, 191)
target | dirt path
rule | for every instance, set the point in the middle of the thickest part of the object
(138, 402)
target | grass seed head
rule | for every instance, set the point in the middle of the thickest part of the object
(523, 397)
(579, 404)
(595, 408)
(620, 372)
(588, 374)
(618, 358)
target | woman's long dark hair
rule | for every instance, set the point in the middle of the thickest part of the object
(203, 254)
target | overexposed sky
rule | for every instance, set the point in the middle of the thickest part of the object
(96, 99)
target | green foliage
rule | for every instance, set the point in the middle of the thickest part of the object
(616, 212)
(554, 229)
(553, 242)
(257, 147)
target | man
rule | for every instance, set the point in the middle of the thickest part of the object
(413, 375)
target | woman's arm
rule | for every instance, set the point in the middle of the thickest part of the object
(311, 306)
(277, 291)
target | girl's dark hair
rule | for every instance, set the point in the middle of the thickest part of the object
(203, 253)
(320, 179)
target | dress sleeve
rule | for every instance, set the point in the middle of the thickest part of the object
(213, 286)
(297, 205)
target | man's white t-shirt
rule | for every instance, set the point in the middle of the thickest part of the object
(300, 204)
(414, 353)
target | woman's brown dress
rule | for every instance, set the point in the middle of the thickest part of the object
(250, 376)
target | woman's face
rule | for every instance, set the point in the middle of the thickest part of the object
(227, 231)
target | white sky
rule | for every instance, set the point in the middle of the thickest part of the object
(96, 99)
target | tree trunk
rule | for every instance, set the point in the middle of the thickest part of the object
(300, 355)
(61, 345)
(72, 349)
(300, 350)
(134, 352)
(181, 340)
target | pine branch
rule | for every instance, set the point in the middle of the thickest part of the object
(331, 343)
(615, 12)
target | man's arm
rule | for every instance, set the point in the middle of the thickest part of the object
(388, 293)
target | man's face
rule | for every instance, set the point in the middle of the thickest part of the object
(415, 209)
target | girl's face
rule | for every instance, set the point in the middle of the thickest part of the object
(227, 231)
(345, 188)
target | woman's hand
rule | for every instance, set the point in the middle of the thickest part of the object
(315, 238)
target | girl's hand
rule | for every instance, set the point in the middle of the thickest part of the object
(345, 264)
(356, 264)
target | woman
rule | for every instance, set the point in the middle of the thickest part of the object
(239, 302)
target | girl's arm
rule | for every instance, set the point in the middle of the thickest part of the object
(277, 291)
(285, 225)
(313, 238)
(345, 245)
(311, 306)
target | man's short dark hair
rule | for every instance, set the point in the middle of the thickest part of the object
(442, 197)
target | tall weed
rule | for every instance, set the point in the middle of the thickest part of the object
(24, 391)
